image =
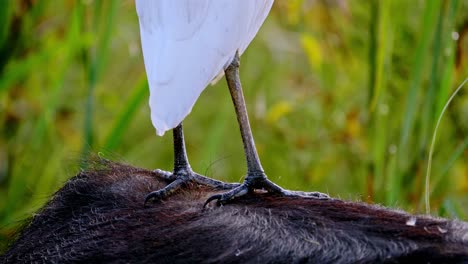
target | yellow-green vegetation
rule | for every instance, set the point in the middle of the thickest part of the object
(343, 98)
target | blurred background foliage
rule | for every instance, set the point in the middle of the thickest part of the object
(343, 97)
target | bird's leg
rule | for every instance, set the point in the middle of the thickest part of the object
(256, 177)
(181, 163)
(183, 173)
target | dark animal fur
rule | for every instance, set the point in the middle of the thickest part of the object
(98, 216)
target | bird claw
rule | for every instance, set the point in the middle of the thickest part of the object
(179, 179)
(263, 183)
(156, 195)
(227, 196)
(319, 195)
(315, 195)
(211, 198)
(165, 175)
(166, 191)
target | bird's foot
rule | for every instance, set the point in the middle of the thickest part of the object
(180, 179)
(261, 182)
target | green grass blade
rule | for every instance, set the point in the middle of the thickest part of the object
(138, 96)
(106, 33)
(459, 151)
(451, 208)
(431, 149)
(427, 113)
(381, 38)
(420, 60)
(446, 81)
(373, 42)
(97, 59)
(5, 20)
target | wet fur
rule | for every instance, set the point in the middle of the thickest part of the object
(98, 216)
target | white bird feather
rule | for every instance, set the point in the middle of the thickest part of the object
(186, 44)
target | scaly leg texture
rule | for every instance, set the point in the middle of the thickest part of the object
(256, 177)
(183, 173)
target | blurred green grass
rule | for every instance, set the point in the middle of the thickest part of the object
(343, 98)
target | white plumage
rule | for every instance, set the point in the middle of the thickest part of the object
(187, 43)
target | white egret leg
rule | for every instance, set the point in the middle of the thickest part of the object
(183, 173)
(256, 177)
